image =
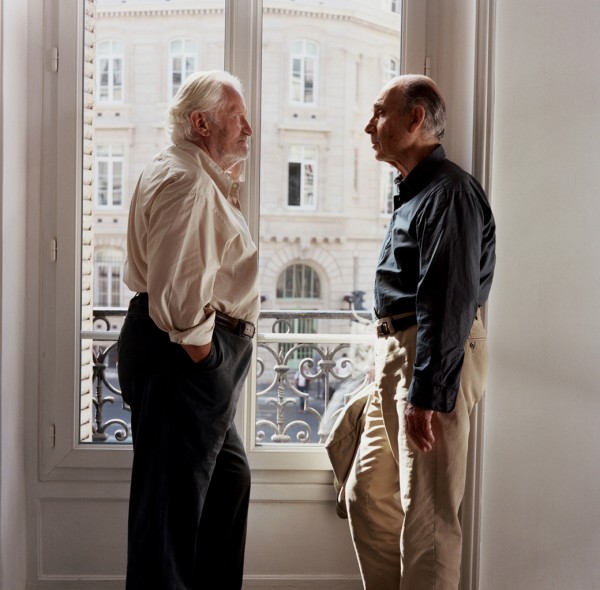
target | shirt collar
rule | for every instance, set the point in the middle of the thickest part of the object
(227, 186)
(419, 177)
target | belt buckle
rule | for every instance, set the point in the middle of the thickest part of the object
(383, 328)
(247, 329)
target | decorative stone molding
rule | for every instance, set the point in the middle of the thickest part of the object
(87, 249)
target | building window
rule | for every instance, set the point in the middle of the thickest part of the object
(182, 62)
(109, 175)
(388, 189)
(109, 73)
(392, 68)
(299, 281)
(396, 5)
(302, 171)
(107, 278)
(304, 72)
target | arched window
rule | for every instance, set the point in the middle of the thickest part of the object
(107, 277)
(182, 62)
(109, 73)
(299, 281)
(304, 70)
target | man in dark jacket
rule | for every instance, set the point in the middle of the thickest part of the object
(433, 276)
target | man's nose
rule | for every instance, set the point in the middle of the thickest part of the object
(246, 129)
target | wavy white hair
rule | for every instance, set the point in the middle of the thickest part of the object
(201, 91)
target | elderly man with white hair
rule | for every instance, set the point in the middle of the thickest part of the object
(186, 344)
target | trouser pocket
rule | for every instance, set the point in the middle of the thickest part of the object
(475, 366)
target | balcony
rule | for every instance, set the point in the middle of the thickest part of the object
(301, 382)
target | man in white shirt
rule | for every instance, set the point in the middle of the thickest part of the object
(186, 344)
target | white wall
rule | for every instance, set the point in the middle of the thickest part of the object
(541, 508)
(13, 177)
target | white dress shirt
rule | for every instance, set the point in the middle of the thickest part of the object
(189, 247)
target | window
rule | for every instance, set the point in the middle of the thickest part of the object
(107, 278)
(388, 189)
(299, 281)
(292, 75)
(182, 62)
(304, 72)
(109, 175)
(302, 170)
(109, 59)
(395, 5)
(392, 68)
(301, 174)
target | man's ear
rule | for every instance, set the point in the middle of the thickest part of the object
(417, 118)
(199, 123)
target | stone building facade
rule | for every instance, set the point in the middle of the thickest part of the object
(324, 200)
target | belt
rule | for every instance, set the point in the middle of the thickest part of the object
(139, 304)
(239, 327)
(391, 324)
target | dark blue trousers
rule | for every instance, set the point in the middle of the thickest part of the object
(190, 482)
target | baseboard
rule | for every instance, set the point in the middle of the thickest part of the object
(250, 583)
(302, 583)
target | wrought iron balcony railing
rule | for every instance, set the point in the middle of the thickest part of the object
(302, 379)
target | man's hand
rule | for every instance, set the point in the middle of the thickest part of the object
(197, 353)
(418, 427)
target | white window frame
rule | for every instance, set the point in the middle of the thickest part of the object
(111, 57)
(183, 55)
(63, 457)
(55, 257)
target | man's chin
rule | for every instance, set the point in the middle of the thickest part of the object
(376, 152)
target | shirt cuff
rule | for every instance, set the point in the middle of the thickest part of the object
(197, 335)
(432, 397)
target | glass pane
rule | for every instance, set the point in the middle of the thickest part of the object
(309, 80)
(134, 37)
(317, 92)
(315, 105)
(294, 171)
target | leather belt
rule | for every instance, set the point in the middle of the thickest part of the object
(139, 304)
(239, 327)
(391, 324)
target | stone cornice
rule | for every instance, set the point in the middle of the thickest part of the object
(127, 11)
(155, 12)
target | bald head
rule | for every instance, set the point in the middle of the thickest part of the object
(412, 90)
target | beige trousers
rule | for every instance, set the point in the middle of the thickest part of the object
(402, 503)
